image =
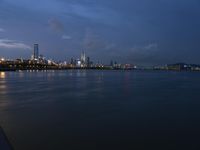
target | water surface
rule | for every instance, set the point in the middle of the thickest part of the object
(96, 109)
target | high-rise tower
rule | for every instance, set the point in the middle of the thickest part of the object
(88, 62)
(36, 51)
(83, 58)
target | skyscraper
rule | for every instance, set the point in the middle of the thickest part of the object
(36, 51)
(72, 61)
(83, 59)
(88, 62)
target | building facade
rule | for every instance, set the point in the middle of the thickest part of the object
(36, 51)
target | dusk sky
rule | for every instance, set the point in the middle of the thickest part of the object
(132, 31)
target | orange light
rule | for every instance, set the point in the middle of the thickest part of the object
(2, 75)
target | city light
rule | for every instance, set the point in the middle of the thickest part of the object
(39, 62)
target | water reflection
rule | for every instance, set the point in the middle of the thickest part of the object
(93, 107)
(2, 75)
(3, 91)
(80, 73)
(2, 83)
(127, 85)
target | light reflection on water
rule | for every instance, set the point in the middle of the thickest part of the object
(4, 100)
(2, 75)
(2, 86)
(2, 83)
(79, 108)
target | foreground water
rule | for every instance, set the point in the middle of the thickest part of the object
(94, 109)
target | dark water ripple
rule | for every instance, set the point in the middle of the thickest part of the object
(100, 109)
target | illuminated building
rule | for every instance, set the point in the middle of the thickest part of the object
(72, 61)
(36, 51)
(83, 59)
(78, 63)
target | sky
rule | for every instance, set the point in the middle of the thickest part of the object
(141, 32)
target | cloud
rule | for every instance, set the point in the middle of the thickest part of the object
(151, 46)
(11, 44)
(146, 53)
(146, 49)
(96, 13)
(2, 30)
(66, 37)
(93, 41)
(56, 25)
(97, 46)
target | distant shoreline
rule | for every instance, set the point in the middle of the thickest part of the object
(8, 70)
(109, 69)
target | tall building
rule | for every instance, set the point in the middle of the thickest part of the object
(72, 61)
(83, 57)
(78, 63)
(36, 51)
(88, 62)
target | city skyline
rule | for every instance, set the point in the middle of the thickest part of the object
(137, 32)
(99, 74)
